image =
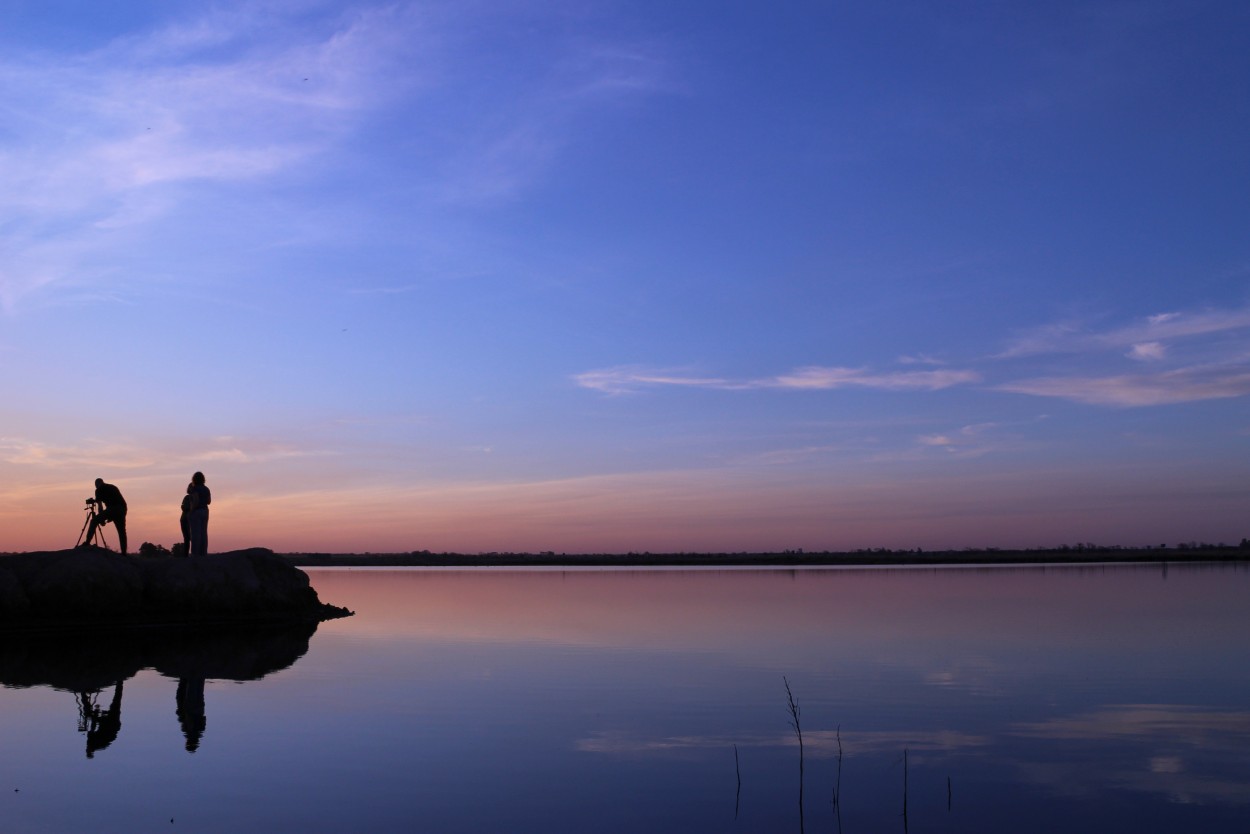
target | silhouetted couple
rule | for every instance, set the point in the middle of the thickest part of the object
(110, 507)
(195, 517)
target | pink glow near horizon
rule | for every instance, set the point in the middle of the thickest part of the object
(662, 609)
(659, 512)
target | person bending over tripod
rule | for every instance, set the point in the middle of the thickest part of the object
(110, 497)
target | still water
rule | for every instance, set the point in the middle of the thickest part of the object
(1098, 699)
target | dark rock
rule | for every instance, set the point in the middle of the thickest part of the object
(85, 584)
(13, 597)
(92, 585)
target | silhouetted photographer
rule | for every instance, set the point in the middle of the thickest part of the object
(110, 506)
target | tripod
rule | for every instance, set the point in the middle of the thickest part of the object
(86, 525)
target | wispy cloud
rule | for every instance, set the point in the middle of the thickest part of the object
(240, 451)
(26, 452)
(1150, 334)
(1129, 390)
(1147, 351)
(970, 441)
(623, 380)
(110, 454)
(498, 155)
(100, 145)
(819, 743)
(793, 456)
(920, 359)
(1194, 726)
(821, 378)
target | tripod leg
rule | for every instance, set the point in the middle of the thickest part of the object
(93, 527)
(83, 531)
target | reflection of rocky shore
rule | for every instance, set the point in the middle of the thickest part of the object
(92, 585)
(89, 663)
(84, 661)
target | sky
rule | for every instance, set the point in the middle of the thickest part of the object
(583, 276)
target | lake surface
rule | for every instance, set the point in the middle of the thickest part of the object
(1093, 699)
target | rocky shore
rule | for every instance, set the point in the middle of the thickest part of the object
(92, 585)
(880, 557)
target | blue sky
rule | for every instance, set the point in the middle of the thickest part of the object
(627, 276)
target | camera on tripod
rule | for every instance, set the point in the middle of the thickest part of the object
(92, 525)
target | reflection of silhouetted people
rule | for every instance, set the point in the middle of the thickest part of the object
(190, 700)
(185, 521)
(200, 499)
(114, 510)
(101, 726)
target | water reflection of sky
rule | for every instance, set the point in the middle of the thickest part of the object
(1026, 699)
(992, 669)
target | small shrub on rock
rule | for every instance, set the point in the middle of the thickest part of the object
(153, 551)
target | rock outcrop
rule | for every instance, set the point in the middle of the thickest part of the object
(92, 585)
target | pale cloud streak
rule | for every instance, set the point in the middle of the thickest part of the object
(112, 455)
(624, 380)
(822, 744)
(822, 378)
(920, 359)
(627, 380)
(1151, 334)
(36, 454)
(1131, 390)
(1192, 726)
(1147, 351)
(791, 457)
